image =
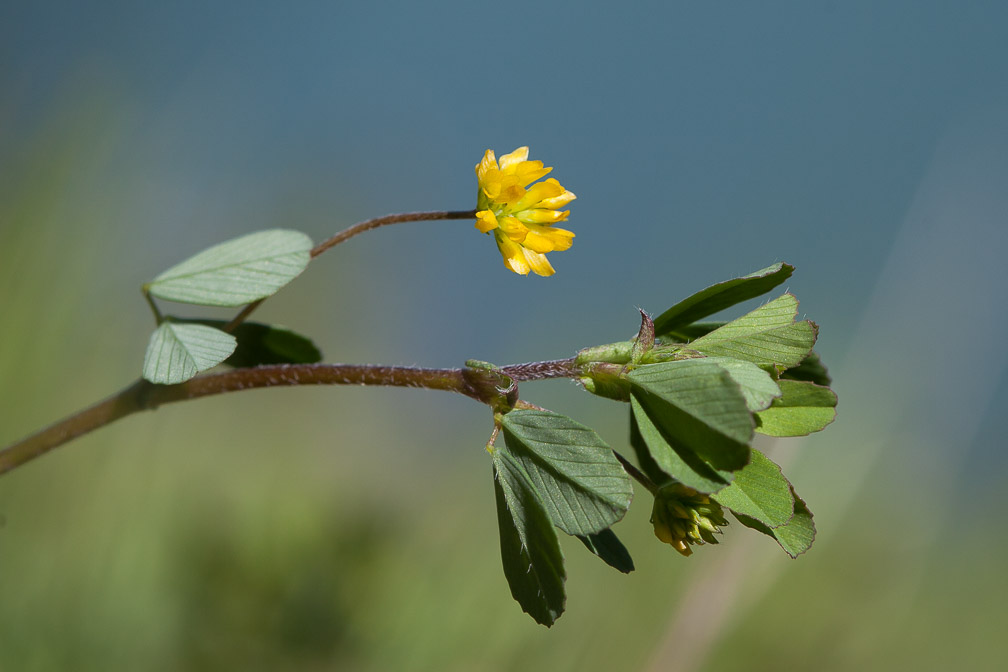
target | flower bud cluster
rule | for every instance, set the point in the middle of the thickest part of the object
(682, 517)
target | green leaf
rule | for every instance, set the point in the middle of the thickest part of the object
(662, 460)
(265, 344)
(758, 388)
(689, 332)
(583, 486)
(797, 536)
(720, 296)
(804, 408)
(177, 352)
(760, 492)
(236, 272)
(530, 551)
(696, 404)
(810, 369)
(767, 336)
(642, 451)
(607, 546)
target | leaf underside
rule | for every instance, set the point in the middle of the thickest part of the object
(796, 536)
(177, 352)
(760, 492)
(260, 344)
(236, 272)
(607, 546)
(803, 408)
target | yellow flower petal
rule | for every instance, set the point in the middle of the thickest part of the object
(513, 228)
(542, 216)
(537, 192)
(513, 254)
(486, 221)
(537, 242)
(530, 171)
(517, 156)
(489, 161)
(511, 190)
(558, 202)
(560, 239)
(539, 263)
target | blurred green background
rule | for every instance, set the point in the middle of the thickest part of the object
(354, 528)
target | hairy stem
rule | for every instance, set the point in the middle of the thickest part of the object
(350, 232)
(478, 384)
(361, 227)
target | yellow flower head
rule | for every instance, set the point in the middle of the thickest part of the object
(521, 214)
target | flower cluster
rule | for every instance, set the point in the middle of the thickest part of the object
(521, 216)
(682, 516)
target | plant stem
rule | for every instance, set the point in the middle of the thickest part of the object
(158, 319)
(369, 224)
(141, 395)
(361, 227)
(637, 474)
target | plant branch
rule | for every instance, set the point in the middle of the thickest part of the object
(481, 385)
(361, 227)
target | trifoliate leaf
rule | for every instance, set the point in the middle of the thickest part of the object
(236, 272)
(720, 296)
(583, 487)
(607, 546)
(177, 352)
(797, 536)
(759, 491)
(530, 551)
(767, 336)
(697, 405)
(804, 408)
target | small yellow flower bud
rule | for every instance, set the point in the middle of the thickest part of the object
(682, 516)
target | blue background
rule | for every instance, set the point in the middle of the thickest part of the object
(863, 142)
